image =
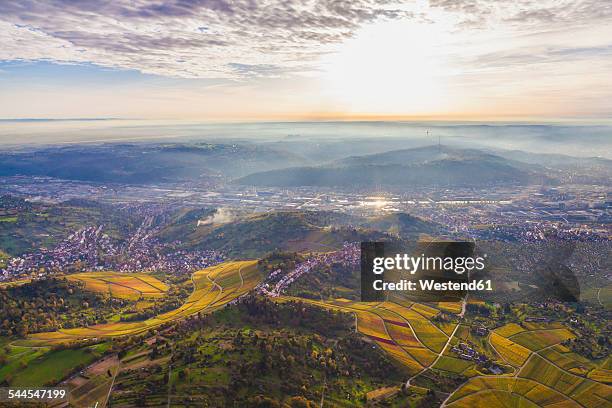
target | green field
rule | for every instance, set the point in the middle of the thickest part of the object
(452, 364)
(539, 339)
(17, 359)
(51, 367)
(29, 367)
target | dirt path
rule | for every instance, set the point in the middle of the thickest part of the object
(110, 389)
(437, 358)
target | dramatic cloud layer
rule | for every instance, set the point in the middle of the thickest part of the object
(183, 38)
(220, 39)
(328, 57)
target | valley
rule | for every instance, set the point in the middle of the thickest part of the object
(171, 289)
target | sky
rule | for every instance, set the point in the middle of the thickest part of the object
(306, 59)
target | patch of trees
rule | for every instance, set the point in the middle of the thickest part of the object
(590, 345)
(478, 309)
(440, 380)
(297, 315)
(325, 280)
(261, 401)
(48, 305)
(275, 354)
(281, 360)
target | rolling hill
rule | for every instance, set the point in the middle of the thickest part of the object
(145, 163)
(424, 166)
(255, 235)
(402, 224)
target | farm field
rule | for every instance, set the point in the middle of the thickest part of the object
(584, 391)
(509, 329)
(16, 358)
(547, 373)
(572, 362)
(35, 367)
(453, 307)
(539, 339)
(507, 392)
(602, 375)
(52, 366)
(430, 335)
(410, 337)
(511, 352)
(213, 288)
(453, 364)
(130, 286)
(93, 384)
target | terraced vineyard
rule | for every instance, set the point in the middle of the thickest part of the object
(213, 288)
(538, 370)
(511, 352)
(543, 373)
(405, 331)
(547, 374)
(130, 286)
(603, 373)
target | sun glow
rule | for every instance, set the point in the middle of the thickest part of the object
(391, 68)
(376, 203)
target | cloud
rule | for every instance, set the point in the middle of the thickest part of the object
(489, 13)
(258, 70)
(180, 38)
(295, 56)
(243, 38)
(543, 55)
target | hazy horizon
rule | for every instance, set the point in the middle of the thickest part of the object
(569, 138)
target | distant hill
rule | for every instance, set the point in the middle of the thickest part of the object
(555, 160)
(424, 166)
(146, 163)
(182, 223)
(26, 226)
(425, 154)
(581, 170)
